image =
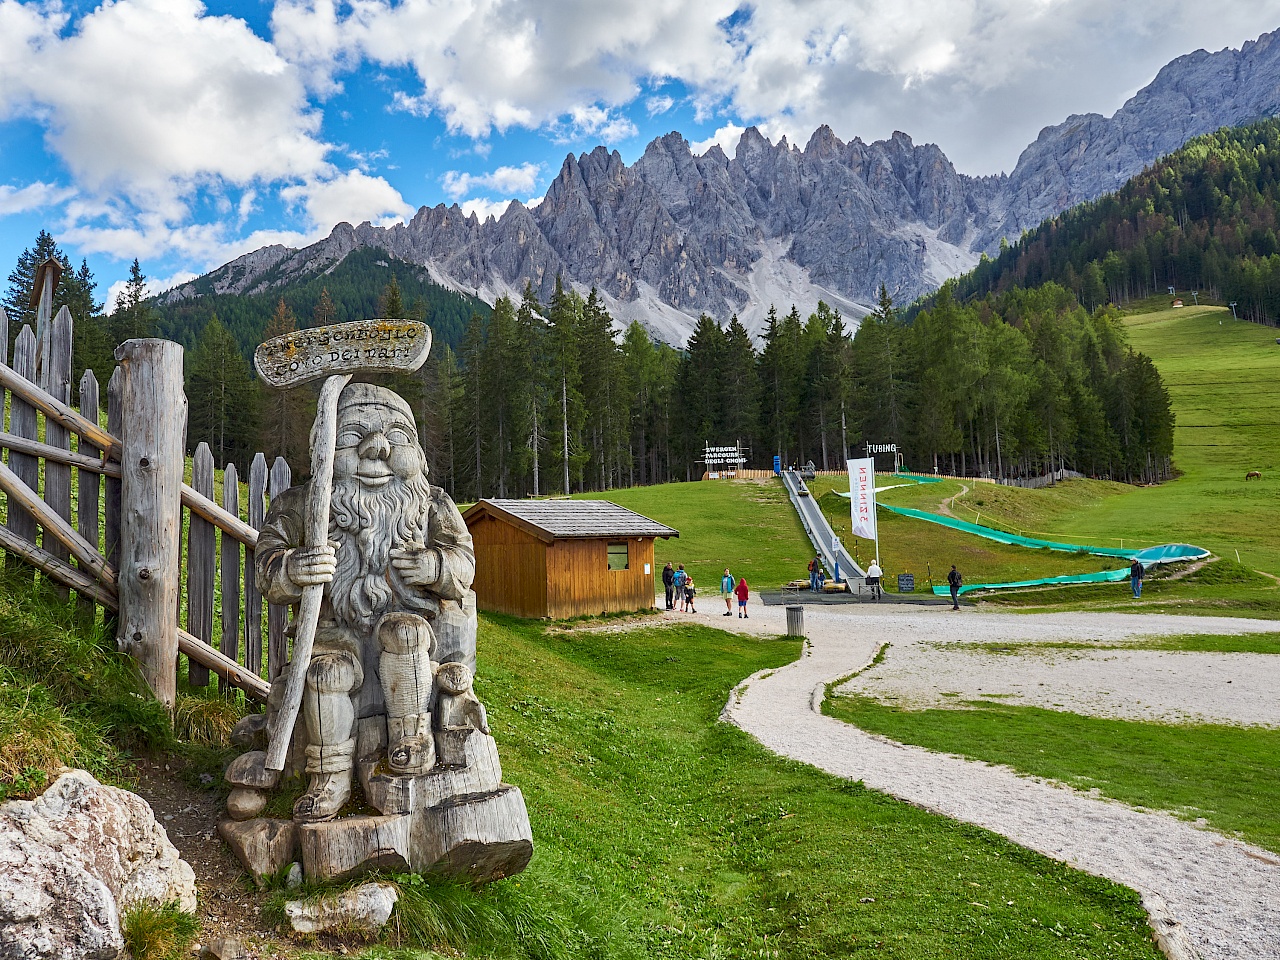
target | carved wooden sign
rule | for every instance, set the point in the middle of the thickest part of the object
(397, 346)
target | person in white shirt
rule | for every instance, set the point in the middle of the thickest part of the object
(874, 573)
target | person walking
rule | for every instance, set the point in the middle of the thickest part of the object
(815, 566)
(1136, 572)
(690, 591)
(743, 592)
(726, 591)
(679, 580)
(955, 581)
(669, 584)
(874, 573)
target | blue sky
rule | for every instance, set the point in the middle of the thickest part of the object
(185, 134)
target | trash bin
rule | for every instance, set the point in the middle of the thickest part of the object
(795, 621)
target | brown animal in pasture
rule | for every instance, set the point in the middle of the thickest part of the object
(1253, 475)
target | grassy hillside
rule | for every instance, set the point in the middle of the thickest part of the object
(748, 526)
(1222, 379)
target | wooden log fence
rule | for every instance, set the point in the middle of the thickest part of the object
(67, 515)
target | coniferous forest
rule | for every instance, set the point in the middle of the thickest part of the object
(544, 398)
(1204, 218)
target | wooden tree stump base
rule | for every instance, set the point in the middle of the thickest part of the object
(263, 846)
(475, 839)
(475, 768)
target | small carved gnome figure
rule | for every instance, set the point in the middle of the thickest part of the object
(405, 668)
(457, 707)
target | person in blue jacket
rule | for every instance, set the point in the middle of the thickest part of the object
(679, 580)
(727, 584)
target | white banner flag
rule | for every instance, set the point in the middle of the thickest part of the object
(862, 487)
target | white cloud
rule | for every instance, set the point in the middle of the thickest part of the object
(727, 136)
(658, 105)
(980, 77)
(504, 180)
(484, 209)
(151, 98)
(353, 197)
(32, 197)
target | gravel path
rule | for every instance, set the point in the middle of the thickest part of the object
(1208, 896)
(1163, 686)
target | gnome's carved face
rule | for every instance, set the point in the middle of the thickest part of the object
(376, 441)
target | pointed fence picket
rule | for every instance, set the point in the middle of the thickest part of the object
(277, 615)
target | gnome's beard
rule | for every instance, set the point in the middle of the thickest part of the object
(367, 523)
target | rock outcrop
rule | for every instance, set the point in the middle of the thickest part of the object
(72, 860)
(675, 234)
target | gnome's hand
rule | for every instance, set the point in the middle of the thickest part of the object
(308, 566)
(417, 564)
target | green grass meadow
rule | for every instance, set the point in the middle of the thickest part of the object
(685, 838)
(748, 526)
(1223, 774)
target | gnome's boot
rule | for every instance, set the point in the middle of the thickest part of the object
(411, 744)
(406, 671)
(330, 717)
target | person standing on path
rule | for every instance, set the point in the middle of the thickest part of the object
(1136, 572)
(726, 591)
(955, 581)
(743, 592)
(690, 592)
(874, 573)
(669, 584)
(815, 565)
(679, 579)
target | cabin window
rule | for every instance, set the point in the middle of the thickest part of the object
(619, 557)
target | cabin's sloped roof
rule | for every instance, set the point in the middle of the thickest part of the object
(573, 519)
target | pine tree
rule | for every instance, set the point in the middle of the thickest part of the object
(391, 304)
(605, 422)
(741, 396)
(284, 411)
(325, 313)
(222, 401)
(564, 317)
(132, 317)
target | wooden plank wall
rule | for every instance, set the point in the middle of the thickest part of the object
(580, 583)
(511, 569)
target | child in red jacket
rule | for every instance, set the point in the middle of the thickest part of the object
(742, 593)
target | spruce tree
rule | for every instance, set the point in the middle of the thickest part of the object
(284, 411)
(222, 401)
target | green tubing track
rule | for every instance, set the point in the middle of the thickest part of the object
(1148, 556)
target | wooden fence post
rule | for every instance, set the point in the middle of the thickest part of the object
(4, 337)
(277, 614)
(151, 464)
(253, 598)
(22, 423)
(90, 482)
(111, 494)
(55, 380)
(201, 557)
(230, 574)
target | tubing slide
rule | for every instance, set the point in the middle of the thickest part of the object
(820, 533)
(1148, 556)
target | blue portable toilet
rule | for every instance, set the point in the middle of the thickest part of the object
(777, 460)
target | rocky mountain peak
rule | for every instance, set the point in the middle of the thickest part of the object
(674, 234)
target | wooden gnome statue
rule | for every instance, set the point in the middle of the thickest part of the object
(378, 565)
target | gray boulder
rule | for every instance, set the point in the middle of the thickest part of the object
(72, 860)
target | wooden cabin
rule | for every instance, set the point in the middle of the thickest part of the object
(563, 558)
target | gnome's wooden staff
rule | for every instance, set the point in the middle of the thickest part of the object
(334, 352)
